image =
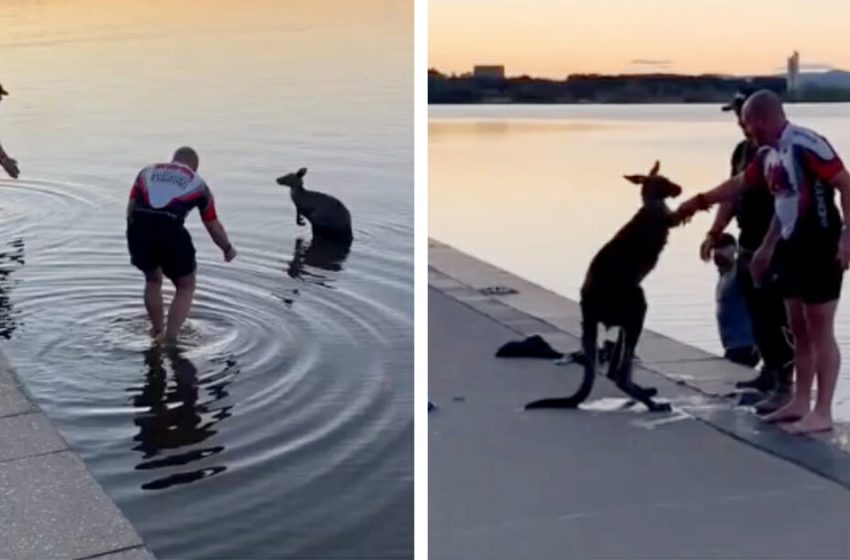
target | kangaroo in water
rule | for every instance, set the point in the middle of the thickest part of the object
(328, 216)
(612, 295)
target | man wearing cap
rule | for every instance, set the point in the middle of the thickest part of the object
(753, 210)
(809, 235)
(9, 164)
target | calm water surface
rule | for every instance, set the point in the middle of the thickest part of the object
(285, 427)
(538, 189)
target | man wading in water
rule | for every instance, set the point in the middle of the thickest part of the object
(161, 197)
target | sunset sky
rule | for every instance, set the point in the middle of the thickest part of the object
(554, 38)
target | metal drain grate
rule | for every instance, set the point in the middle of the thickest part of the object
(497, 291)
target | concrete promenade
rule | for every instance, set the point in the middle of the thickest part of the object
(611, 480)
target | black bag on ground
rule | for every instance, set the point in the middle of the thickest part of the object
(532, 347)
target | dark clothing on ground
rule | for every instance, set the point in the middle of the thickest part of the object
(532, 347)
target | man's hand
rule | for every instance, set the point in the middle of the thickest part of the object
(843, 256)
(229, 254)
(760, 264)
(707, 247)
(10, 165)
(690, 207)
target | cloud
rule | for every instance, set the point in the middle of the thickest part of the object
(650, 62)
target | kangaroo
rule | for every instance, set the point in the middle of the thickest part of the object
(612, 293)
(328, 216)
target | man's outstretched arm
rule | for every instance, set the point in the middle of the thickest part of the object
(219, 237)
(215, 228)
(9, 164)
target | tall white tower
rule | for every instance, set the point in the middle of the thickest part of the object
(793, 76)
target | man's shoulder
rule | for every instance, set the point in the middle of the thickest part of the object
(806, 138)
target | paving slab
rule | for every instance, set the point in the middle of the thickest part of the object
(24, 435)
(53, 508)
(50, 504)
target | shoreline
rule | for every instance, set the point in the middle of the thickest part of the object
(55, 508)
(531, 309)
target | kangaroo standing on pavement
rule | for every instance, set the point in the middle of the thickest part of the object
(328, 217)
(612, 293)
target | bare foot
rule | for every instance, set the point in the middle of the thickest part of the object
(163, 340)
(811, 423)
(791, 412)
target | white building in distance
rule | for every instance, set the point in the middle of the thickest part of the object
(792, 80)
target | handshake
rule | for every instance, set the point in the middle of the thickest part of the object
(687, 209)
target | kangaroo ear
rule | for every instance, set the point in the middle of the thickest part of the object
(302, 172)
(636, 179)
(655, 168)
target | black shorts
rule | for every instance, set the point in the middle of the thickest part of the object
(807, 267)
(161, 243)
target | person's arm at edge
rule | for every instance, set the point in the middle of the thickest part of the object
(9, 164)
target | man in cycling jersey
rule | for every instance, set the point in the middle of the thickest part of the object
(811, 241)
(9, 164)
(159, 244)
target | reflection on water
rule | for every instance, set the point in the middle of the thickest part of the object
(321, 253)
(176, 417)
(10, 260)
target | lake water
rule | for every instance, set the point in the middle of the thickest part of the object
(537, 190)
(285, 428)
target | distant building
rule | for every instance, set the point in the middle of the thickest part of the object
(488, 72)
(792, 79)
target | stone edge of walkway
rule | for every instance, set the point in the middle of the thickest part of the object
(533, 309)
(12, 387)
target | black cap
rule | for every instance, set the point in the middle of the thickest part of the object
(738, 101)
(3, 92)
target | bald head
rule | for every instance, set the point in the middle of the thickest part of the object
(763, 104)
(186, 156)
(763, 117)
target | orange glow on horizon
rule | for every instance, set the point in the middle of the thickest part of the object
(555, 38)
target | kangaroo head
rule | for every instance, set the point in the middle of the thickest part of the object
(293, 180)
(655, 187)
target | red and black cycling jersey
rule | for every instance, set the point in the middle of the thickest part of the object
(798, 172)
(172, 190)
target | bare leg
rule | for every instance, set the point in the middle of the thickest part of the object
(804, 361)
(821, 321)
(153, 301)
(180, 305)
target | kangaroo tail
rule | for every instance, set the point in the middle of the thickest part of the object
(589, 336)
